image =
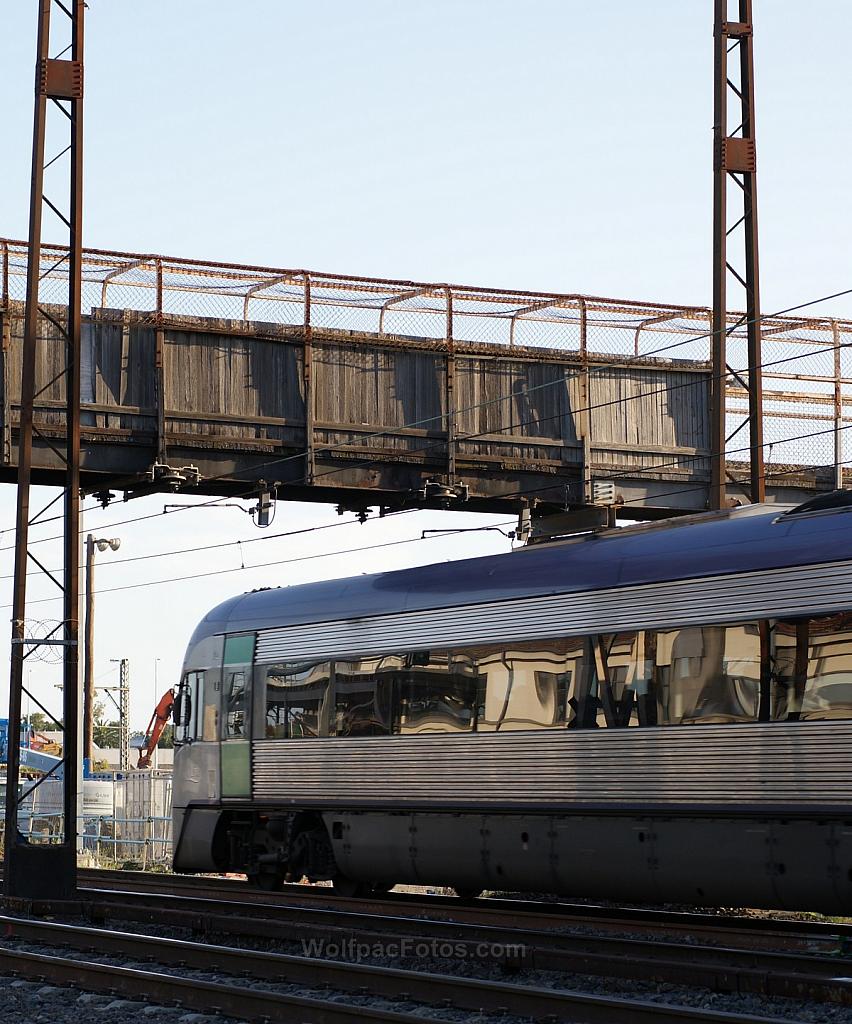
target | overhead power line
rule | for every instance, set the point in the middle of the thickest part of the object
(560, 381)
(249, 568)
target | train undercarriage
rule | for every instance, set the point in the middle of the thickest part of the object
(790, 863)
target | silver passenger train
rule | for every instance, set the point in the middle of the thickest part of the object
(658, 713)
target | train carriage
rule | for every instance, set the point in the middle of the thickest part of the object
(658, 713)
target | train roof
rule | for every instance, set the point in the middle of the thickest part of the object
(755, 537)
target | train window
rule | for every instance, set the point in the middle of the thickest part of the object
(789, 668)
(239, 649)
(235, 695)
(238, 657)
(621, 671)
(526, 686)
(364, 696)
(190, 697)
(708, 674)
(297, 700)
(438, 692)
(812, 668)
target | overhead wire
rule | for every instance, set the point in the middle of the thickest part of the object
(345, 551)
(219, 544)
(561, 380)
(306, 530)
(249, 568)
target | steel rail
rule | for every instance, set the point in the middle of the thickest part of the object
(240, 1002)
(718, 968)
(427, 987)
(740, 930)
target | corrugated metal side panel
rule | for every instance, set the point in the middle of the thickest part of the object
(764, 764)
(816, 588)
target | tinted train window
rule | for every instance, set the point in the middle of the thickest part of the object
(526, 686)
(812, 668)
(235, 697)
(708, 674)
(188, 707)
(620, 677)
(238, 656)
(297, 700)
(365, 696)
(437, 693)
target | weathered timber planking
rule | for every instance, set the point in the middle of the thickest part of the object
(234, 406)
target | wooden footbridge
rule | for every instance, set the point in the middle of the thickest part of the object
(364, 392)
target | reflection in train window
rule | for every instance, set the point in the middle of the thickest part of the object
(188, 708)
(621, 675)
(297, 702)
(236, 671)
(694, 675)
(364, 696)
(437, 693)
(812, 668)
(525, 685)
(235, 706)
(708, 674)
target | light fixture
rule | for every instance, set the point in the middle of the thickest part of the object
(103, 543)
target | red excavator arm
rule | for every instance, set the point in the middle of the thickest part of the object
(162, 713)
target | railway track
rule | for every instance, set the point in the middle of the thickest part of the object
(249, 1002)
(762, 933)
(719, 968)
(770, 958)
(774, 958)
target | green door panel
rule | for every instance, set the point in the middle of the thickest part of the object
(236, 714)
(236, 768)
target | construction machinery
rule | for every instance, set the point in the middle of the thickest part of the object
(159, 720)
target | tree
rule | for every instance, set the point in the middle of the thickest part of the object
(104, 733)
(167, 740)
(41, 723)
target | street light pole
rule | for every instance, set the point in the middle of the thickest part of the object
(89, 648)
(89, 655)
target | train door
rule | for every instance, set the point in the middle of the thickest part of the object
(236, 715)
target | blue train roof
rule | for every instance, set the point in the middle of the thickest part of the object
(740, 540)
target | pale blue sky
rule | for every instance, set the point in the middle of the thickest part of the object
(541, 144)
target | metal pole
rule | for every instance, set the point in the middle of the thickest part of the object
(25, 441)
(32, 870)
(734, 157)
(308, 384)
(718, 359)
(89, 655)
(757, 478)
(154, 758)
(124, 715)
(71, 576)
(450, 389)
(838, 408)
